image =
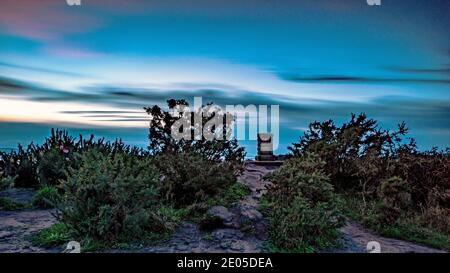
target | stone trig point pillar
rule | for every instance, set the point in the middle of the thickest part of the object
(265, 147)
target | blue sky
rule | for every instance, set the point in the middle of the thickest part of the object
(92, 68)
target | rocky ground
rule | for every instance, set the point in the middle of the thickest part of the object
(16, 227)
(242, 228)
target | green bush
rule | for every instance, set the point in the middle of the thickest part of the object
(189, 178)
(354, 153)
(46, 197)
(222, 148)
(395, 200)
(382, 173)
(26, 174)
(302, 208)
(52, 167)
(46, 164)
(7, 182)
(113, 198)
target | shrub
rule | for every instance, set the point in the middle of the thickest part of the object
(395, 193)
(26, 174)
(189, 178)
(46, 164)
(437, 218)
(390, 180)
(20, 164)
(113, 198)
(345, 148)
(52, 167)
(220, 149)
(7, 182)
(302, 208)
(46, 197)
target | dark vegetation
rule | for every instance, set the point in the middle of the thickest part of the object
(383, 180)
(108, 193)
(302, 206)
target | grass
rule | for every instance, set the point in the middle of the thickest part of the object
(418, 234)
(233, 194)
(56, 235)
(410, 228)
(10, 205)
(46, 198)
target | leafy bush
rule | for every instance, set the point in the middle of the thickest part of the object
(46, 197)
(388, 184)
(21, 164)
(437, 218)
(113, 198)
(52, 167)
(46, 164)
(6, 182)
(428, 176)
(302, 208)
(355, 153)
(189, 178)
(161, 140)
(26, 174)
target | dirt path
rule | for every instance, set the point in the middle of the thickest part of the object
(362, 236)
(16, 227)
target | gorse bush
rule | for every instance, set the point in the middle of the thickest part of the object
(46, 164)
(53, 166)
(382, 173)
(190, 178)
(113, 198)
(46, 197)
(355, 153)
(21, 164)
(161, 140)
(108, 192)
(6, 182)
(301, 206)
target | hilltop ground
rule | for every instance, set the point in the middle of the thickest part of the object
(17, 227)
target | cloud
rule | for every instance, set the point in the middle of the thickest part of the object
(93, 112)
(43, 20)
(129, 102)
(71, 52)
(420, 70)
(361, 80)
(40, 69)
(426, 117)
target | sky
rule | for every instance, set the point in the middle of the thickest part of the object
(92, 68)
